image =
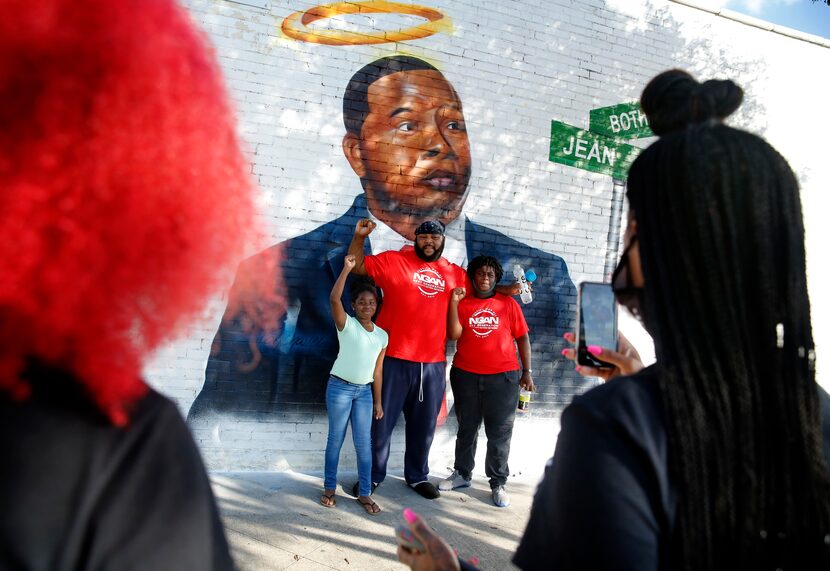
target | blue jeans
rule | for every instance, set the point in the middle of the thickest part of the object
(345, 401)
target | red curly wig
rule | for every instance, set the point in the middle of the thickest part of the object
(124, 197)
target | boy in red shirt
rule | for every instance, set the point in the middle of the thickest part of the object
(485, 377)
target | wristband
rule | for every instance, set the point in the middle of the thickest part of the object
(527, 371)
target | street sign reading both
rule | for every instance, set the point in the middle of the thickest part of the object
(623, 121)
(583, 149)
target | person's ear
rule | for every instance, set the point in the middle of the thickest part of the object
(351, 148)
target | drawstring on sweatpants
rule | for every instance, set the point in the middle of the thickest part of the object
(421, 388)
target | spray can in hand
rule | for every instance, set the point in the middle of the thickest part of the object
(524, 281)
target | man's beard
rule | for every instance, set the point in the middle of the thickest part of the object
(435, 255)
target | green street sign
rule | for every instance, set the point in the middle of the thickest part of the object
(623, 121)
(589, 151)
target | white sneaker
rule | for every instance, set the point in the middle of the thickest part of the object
(500, 497)
(455, 481)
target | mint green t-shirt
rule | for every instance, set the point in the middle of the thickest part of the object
(359, 350)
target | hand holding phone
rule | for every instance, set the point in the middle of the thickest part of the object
(596, 323)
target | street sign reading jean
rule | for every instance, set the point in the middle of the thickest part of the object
(589, 151)
(601, 148)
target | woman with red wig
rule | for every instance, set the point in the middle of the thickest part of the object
(123, 203)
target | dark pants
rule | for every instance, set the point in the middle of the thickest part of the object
(417, 390)
(493, 399)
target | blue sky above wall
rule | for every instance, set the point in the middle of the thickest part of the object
(803, 15)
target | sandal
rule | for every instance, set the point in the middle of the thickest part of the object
(371, 507)
(327, 500)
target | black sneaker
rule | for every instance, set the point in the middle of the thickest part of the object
(426, 489)
(356, 489)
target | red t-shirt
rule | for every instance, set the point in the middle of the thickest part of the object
(416, 296)
(488, 328)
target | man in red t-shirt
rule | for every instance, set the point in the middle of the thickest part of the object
(417, 283)
(484, 376)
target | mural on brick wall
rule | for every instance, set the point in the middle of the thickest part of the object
(532, 103)
(405, 138)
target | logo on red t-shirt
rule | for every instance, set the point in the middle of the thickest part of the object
(429, 282)
(483, 322)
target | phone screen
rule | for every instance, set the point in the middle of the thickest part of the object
(597, 321)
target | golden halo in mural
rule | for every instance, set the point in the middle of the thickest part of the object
(296, 25)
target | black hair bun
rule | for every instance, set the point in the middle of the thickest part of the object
(719, 98)
(674, 99)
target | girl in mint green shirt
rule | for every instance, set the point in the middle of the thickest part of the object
(353, 390)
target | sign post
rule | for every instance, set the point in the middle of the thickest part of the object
(601, 149)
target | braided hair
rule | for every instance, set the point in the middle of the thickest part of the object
(722, 248)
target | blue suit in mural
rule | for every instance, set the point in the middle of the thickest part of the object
(255, 371)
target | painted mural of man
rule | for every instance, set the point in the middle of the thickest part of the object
(407, 142)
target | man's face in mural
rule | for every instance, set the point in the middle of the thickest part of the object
(413, 155)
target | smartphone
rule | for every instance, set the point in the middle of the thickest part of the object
(407, 539)
(596, 322)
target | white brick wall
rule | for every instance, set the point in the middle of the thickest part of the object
(516, 65)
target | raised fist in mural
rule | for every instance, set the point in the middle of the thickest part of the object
(364, 227)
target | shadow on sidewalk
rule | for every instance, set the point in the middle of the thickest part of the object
(274, 521)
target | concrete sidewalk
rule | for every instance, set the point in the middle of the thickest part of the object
(274, 521)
